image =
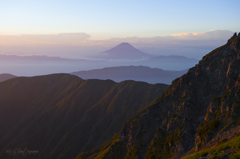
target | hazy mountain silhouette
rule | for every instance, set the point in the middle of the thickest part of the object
(199, 111)
(171, 62)
(6, 76)
(136, 73)
(35, 58)
(172, 58)
(60, 115)
(40, 65)
(124, 51)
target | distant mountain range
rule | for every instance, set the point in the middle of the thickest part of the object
(35, 58)
(6, 76)
(171, 58)
(61, 115)
(123, 54)
(137, 73)
(40, 65)
(171, 62)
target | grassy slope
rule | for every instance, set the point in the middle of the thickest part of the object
(224, 148)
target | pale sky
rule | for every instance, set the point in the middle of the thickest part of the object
(104, 19)
(73, 28)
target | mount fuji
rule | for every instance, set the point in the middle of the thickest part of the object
(124, 51)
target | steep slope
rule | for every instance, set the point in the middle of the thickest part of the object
(193, 113)
(5, 76)
(124, 51)
(61, 115)
(136, 73)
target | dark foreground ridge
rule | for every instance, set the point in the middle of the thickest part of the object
(60, 115)
(6, 76)
(198, 110)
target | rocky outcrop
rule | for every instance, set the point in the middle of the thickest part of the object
(188, 114)
(234, 36)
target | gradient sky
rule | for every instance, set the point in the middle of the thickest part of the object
(103, 19)
(76, 28)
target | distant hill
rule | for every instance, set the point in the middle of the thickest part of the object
(5, 76)
(61, 115)
(172, 58)
(137, 73)
(124, 51)
(171, 62)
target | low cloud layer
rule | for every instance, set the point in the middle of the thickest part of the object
(82, 39)
(176, 39)
(214, 34)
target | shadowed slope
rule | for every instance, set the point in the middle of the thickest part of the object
(60, 115)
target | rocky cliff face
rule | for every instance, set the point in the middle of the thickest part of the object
(199, 105)
(235, 35)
